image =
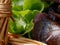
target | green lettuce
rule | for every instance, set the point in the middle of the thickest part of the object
(23, 21)
(24, 12)
(33, 5)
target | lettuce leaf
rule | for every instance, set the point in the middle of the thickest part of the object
(33, 5)
(23, 21)
(24, 12)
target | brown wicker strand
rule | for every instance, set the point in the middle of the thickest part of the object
(5, 14)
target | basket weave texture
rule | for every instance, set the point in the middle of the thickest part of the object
(5, 14)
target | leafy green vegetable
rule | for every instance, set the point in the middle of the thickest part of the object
(29, 27)
(23, 21)
(24, 12)
(17, 8)
(33, 5)
(20, 25)
(30, 16)
(17, 2)
(12, 28)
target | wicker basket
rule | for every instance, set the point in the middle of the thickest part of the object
(5, 38)
(5, 14)
(19, 40)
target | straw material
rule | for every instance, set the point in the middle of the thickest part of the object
(19, 40)
(5, 14)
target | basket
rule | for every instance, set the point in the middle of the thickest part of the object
(5, 14)
(19, 40)
(5, 38)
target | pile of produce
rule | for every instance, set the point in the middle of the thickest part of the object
(24, 12)
(36, 19)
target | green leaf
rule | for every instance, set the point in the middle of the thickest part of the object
(16, 14)
(17, 8)
(29, 27)
(12, 28)
(30, 16)
(17, 2)
(17, 26)
(35, 12)
(20, 25)
(33, 5)
(23, 13)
